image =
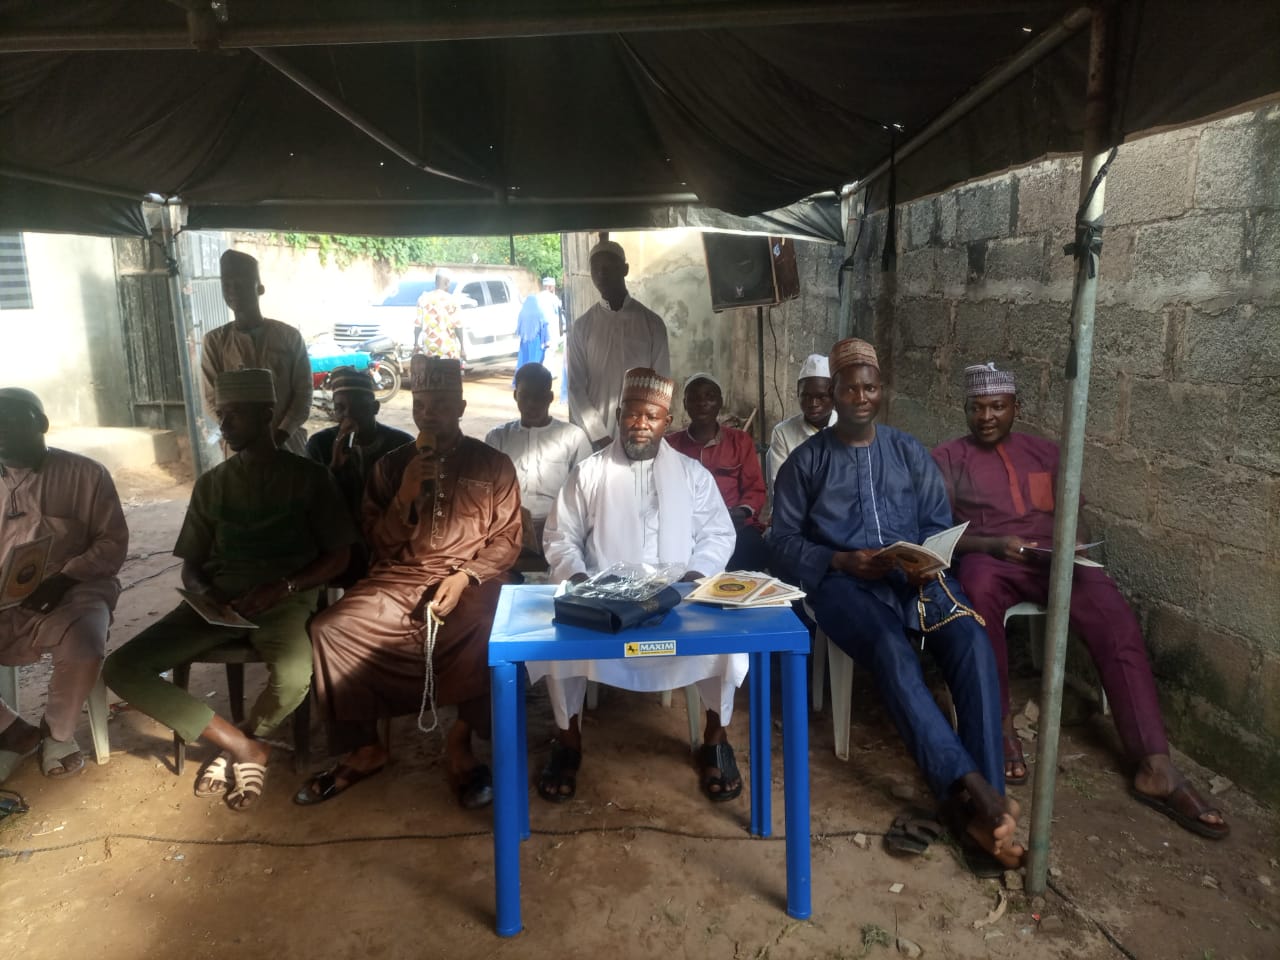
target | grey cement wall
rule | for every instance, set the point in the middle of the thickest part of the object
(68, 347)
(1182, 456)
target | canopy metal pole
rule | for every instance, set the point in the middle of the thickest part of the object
(1043, 45)
(1096, 134)
(179, 302)
(569, 20)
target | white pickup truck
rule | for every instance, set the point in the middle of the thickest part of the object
(488, 307)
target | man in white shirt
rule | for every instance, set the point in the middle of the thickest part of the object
(813, 390)
(640, 500)
(615, 335)
(542, 448)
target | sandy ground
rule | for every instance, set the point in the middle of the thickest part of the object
(123, 862)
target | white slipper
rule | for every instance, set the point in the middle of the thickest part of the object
(250, 778)
(215, 771)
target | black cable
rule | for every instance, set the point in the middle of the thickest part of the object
(7, 853)
(1110, 937)
(777, 391)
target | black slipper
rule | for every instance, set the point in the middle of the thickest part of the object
(561, 772)
(476, 790)
(324, 786)
(911, 833)
(719, 756)
(979, 862)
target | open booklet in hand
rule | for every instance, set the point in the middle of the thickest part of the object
(928, 557)
(215, 613)
(23, 571)
(745, 589)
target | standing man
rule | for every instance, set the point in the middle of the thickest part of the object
(263, 531)
(730, 455)
(351, 449)
(437, 323)
(640, 501)
(252, 341)
(52, 493)
(813, 390)
(542, 448)
(613, 336)
(442, 518)
(1003, 483)
(842, 496)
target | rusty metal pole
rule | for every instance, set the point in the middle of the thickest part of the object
(1096, 136)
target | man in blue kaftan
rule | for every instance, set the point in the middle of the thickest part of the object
(842, 495)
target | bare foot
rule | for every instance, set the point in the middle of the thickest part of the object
(992, 821)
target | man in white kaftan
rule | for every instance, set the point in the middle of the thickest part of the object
(813, 390)
(252, 341)
(640, 500)
(542, 448)
(613, 336)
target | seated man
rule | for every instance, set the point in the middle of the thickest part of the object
(542, 448)
(53, 493)
(263, 530)
(1003, 483)
(351, 448)
(813, 389)
(442, 519)
(731, 457)
(840, 497)
(637, 500)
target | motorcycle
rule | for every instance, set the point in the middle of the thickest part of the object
(386, 366)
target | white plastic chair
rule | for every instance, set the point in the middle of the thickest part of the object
(1039, 615)
(826, 652)
(97, 704)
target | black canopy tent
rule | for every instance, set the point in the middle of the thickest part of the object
(494, 120)
(328, 117)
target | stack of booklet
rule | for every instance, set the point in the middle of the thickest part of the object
(744, 588)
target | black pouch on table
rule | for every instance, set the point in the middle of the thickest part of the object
(612, 616)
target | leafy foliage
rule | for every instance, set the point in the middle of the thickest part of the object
(539, 252)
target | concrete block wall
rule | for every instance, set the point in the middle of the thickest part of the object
(1182, 456)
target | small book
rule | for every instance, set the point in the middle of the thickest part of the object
(745, 589)
(928, 557)
(215, 613)
(23, 571)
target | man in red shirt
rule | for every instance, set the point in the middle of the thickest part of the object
(730, 455)
(1003, 484)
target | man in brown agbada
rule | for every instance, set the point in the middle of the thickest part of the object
(442, 520)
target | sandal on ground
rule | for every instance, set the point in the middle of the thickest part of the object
(978, 861)
(250, 778)
(558, 781)
(324, 786)
(214, 775)
(911, 833)
(60, 758)
(726, 784)
(1184, 806)
(1014, 758)
(474, 787)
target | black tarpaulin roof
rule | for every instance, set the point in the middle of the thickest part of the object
(525, 118)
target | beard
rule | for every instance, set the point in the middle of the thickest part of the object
(640, 449)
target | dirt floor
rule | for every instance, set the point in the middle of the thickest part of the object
(124, 862)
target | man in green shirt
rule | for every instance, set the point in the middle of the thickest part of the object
(262, 532)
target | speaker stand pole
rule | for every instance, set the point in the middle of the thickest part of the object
(760, 424)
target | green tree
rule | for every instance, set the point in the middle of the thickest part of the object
(539, 252)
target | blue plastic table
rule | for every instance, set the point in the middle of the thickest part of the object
(523, 631)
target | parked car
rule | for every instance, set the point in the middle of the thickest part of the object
(488, 307)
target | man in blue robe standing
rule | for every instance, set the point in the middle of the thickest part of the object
(844, 494)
